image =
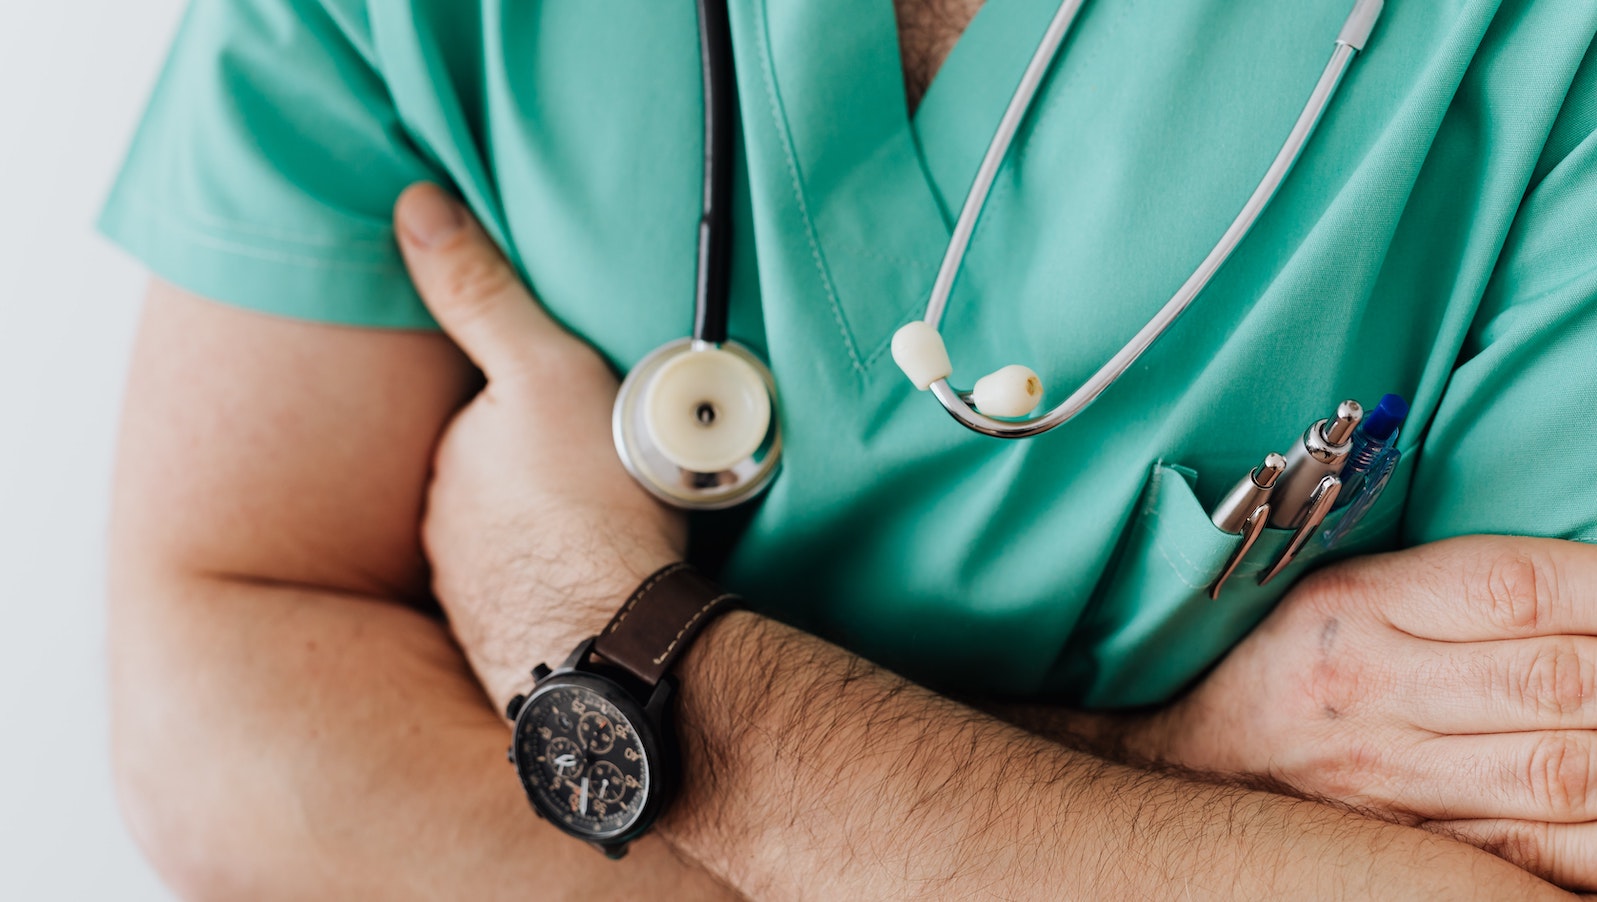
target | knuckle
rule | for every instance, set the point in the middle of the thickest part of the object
(475, 282)
(1355, 772)
(1332, 588)
(1337, 683)
(1559, 773)
(1555, 679)
(1513, 588)
(1523, 843)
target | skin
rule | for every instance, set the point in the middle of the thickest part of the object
(291, 719)
(1452, 686)
(782, 730)
(927, 31)
(288, 724)
(288, 721)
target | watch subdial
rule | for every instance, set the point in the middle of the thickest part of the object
(563, 758)
(596, 732)
(606, 782)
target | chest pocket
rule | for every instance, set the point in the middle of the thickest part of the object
(1151, 628)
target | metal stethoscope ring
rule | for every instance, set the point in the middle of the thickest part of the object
(696, 422)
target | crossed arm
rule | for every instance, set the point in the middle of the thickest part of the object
(288, 725)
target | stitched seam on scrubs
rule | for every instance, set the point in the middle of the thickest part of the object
(247, 250)
(191, 218)
(214, 241)
(244, 228)
(1151, 523)
(768, 76)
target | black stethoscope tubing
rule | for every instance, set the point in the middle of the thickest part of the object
(713, 288)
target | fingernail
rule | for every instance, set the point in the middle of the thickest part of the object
(429, 216)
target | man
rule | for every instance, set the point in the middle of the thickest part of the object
(264, 508)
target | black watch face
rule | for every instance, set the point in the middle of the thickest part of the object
(582, 761)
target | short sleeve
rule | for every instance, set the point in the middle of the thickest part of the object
(266, 166)
(1513, 446)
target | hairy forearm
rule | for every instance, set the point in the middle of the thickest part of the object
(812, 774)
(275, 743)
(1128, 737)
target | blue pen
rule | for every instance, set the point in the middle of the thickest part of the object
(1370, 463)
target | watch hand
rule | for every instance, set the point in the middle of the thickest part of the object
(584, 795)
(603, 786)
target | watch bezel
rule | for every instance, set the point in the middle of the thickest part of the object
(648, 724)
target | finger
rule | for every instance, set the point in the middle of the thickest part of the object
(1509, 686)
(1547, 776)
(471, 289)
(1477, 588)
(1565, 854)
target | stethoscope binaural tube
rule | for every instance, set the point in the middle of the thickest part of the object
(713, 284)
(918, 347)
(695, 421)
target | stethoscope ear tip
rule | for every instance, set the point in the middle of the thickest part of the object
(919, 351)
(1014, 391)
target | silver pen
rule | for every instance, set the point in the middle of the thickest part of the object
(1321, 453)
(1251, 491)
(1320, 503)
(1244, 511)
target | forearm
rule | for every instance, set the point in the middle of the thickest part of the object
(274, 742)
(812, 774)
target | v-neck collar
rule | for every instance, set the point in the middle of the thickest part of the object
(966, 98)
(879, 189)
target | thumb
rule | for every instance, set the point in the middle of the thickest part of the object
(471, 289)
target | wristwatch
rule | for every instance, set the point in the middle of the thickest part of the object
(593, 742)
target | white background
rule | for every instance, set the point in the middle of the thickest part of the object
(73, 79)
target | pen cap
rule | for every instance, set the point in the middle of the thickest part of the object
(1380, 423)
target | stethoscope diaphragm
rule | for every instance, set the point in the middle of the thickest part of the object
(695, 424)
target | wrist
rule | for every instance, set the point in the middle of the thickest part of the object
(594, 742)
(718, 726)
(560, 604)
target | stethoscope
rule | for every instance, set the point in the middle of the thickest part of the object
(695, 421)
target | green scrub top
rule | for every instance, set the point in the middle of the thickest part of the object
(1438, 239)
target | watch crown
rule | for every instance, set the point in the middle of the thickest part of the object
(539, 672)
(510, 754)
(513, 710)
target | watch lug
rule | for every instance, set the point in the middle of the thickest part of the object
(614, 852)
(580, 655)
(659, 703)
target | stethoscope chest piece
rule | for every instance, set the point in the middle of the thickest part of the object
(695, 423)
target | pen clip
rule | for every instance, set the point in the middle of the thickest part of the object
(1252, 528)
(1319, 505)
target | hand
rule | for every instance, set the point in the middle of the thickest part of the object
(1452, 685)
(535, 532)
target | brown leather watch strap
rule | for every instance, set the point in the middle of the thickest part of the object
(660, 620)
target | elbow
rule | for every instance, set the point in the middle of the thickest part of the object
(169, 770)
(176, 838)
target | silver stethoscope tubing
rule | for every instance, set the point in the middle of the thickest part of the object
(1352, 38)
(695, 422)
